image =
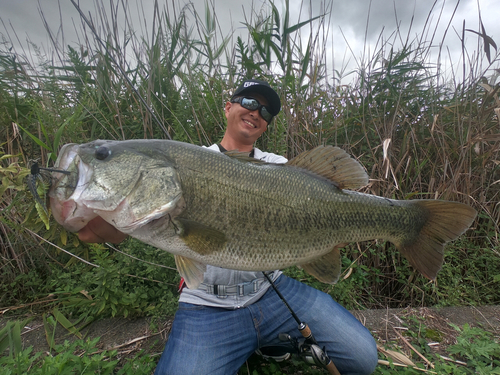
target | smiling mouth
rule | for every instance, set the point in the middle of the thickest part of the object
(249, 123)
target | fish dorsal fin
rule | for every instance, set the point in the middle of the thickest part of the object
(327, 267)
(334, 164)
(243, 157)
(191, 270)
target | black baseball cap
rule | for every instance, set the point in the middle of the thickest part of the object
(263, 88)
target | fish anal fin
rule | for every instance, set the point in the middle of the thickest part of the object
(334, 164)
(326, 268)
(198, 237)
(445, 222)
(191, 270)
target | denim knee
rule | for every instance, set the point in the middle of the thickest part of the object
(365, 361)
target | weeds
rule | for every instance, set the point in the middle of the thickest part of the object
(474, 351)
(396, 103)
(463, 350)
(66, 358)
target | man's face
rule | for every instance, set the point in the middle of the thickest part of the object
(244, 123)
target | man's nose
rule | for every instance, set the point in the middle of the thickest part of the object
(255, 113)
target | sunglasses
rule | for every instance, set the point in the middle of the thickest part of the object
(252, 105)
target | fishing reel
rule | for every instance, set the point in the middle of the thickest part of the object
(307, 347)
(307, 350)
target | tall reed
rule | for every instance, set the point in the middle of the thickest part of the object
(418, 133)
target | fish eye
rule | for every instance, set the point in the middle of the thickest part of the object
(102, 153)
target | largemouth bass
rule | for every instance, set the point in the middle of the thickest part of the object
(231, 211)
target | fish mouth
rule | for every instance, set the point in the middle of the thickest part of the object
(67, 156)
(67, 188)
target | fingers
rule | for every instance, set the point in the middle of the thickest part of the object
(98, 231)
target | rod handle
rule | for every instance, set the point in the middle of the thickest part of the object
(307, 334)
(306, 331)
(332, 369)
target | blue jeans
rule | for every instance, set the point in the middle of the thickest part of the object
(208, 340)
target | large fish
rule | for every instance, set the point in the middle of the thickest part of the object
(235, 212)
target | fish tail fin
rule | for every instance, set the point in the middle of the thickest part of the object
(445, 222)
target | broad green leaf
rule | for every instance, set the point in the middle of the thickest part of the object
(57, 137)
(16, 337)
(64, 237)
(38, 141)
(62, 320)
(43, 215)
(7, 156)
(49, 332)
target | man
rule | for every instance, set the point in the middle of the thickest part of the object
(234, 313)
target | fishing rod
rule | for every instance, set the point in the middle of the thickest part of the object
(123, 73)
(310, 349)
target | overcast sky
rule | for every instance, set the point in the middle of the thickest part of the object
(20, 19)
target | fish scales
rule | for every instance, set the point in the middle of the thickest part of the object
(278, 208)
(209, 208)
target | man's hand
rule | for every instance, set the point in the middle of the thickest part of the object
(99, 231)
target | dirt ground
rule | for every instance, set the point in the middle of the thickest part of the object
(392, 325)
(128, 336)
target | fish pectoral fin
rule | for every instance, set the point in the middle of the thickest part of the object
(198, 237)
(334, 164)
(326, 268)
(191, 270)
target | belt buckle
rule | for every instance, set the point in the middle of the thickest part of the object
(243, 290)
(256, 285)
(220, 291)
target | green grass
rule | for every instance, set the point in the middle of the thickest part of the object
(473, 351)
(397, 97)
(78, 357)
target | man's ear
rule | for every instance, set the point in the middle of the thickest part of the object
(227, 108)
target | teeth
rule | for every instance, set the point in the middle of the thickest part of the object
(249, 123)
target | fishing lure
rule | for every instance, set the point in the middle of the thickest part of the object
(37, 173)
